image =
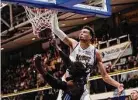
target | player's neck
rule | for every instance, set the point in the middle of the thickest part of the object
(84, 45)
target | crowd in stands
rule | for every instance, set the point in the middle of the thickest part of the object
(22, 77)
(18, 78)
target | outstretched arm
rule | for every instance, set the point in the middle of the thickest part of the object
(60, 34)
(52, 81)
(105, 75)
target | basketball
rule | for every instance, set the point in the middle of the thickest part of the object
(45, 33)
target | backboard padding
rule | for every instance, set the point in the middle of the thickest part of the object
(92, 7)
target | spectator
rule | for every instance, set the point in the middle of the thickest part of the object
(134, 95)
(40, 80)
(39, 95)
(130, 62)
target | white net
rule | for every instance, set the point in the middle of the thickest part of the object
(39, 18)
(2, 5)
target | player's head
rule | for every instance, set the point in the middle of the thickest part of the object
(45, 33)
(134, 95)
(78, 69)
(86, 33)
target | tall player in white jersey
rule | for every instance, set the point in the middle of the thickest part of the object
(85, 52)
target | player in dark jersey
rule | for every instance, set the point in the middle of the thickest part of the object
(73, 87)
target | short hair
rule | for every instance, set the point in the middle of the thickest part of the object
(90, 29)
(135, 91)
(78, 69)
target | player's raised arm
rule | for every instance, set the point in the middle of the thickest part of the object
(60, 34)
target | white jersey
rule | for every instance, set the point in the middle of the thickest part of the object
(86, 56)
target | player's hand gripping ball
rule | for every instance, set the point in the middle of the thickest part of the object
(45, 33)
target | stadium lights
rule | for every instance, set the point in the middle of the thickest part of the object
(85, 18)
(63, 24)
(33, 39)
(2, 49)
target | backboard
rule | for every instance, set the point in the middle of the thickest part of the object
(93, 7)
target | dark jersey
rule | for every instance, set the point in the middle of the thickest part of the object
(69, 93)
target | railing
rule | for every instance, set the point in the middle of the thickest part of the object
(116, 41)
(110, 94)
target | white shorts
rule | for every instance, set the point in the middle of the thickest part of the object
(85, 95)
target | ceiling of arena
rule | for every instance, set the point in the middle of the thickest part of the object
(16, 31)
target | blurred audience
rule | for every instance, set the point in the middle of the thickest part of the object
(24, 76)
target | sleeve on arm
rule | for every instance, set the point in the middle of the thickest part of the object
(55, 83)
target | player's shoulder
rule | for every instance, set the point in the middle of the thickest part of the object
(93, 47)
(74, 42)
(97, 52)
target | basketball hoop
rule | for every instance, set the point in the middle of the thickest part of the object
(40, 20)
